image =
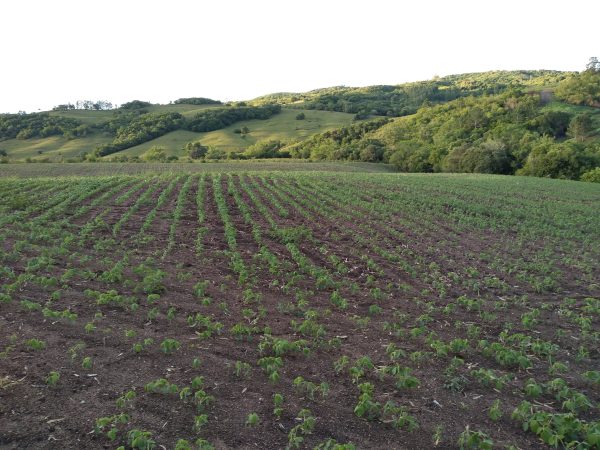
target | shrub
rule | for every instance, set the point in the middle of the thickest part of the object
(197, 101)
(592, 176)
(489, 157)
(371, 150)
(195, 150)
(581, 126)
(265, 149)
(215, 153)
(563, 160)
(135, 104)
(552, 123)
(155, 153)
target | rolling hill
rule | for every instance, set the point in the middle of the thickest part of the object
(283, 126)
(541, 123)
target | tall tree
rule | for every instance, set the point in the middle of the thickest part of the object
(593, 64)
(580, 126)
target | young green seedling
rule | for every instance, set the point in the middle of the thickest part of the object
(52, 378)
(169, 346)
(87, 363)
(278, 403)
(252, 420)
(495, 411)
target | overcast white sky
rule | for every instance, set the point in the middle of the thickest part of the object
(118, 50)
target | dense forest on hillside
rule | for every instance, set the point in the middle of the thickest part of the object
(503, 134)
(514, 132)
(404, 99)
(25, 126)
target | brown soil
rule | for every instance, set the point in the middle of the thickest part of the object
(34, 415)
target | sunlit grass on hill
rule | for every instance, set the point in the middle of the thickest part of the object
(282, 126)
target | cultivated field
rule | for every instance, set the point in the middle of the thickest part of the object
(275, 310)
(108, 169)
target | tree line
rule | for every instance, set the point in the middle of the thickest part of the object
(89, 105)
(407, 98)
(217, 118)
(26, 126)
(197, 101)
(145, 127)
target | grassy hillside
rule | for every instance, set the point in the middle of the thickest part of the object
(173, 142)
(183, 109)
(86, 116)
(90, 117)
(574, 110)
(283, 126)
(56, 148)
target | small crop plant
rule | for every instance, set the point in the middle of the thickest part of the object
(52, 378)
(169, 346)
(196, 290)
(252, 420)
(470, 439)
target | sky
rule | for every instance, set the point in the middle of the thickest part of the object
(61, 51)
